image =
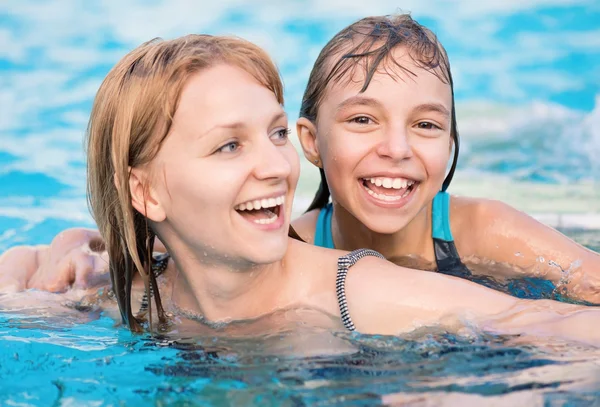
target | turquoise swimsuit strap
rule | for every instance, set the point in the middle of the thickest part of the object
(440, 213)
(440, 222)
(323, 236)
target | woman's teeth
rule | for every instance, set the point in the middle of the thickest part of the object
(272, 218)
(260, 204)
(261, 211)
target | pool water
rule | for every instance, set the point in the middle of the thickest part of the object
(47, 363)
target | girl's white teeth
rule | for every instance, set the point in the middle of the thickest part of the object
(389, 198)
(391, 183)
(261, 204)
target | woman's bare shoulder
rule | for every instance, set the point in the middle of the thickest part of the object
(310, 256)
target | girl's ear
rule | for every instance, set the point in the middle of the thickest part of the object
(307, 133)
(143, 197)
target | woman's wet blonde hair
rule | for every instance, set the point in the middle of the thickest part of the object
(131, 117)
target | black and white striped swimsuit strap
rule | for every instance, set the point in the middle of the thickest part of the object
(344, 263)
(159, 265)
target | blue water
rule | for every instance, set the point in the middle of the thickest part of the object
(56, 363)
(528, 102)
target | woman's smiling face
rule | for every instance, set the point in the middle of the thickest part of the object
(385, 151)
(226, 174)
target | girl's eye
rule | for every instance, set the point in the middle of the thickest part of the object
(230, 147)
(361, 120)
(427, 126)
(280, 137)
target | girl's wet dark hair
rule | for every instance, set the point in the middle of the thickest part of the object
(367, 44)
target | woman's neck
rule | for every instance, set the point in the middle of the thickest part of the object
(219, 292)
(414, 240)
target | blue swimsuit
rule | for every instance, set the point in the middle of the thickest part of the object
(446, 255)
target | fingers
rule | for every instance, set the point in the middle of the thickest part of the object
(89, 270)
(53, 277)
(17, 266)
(67, 261)
(73, 257)
(70, 239)
(10, 284)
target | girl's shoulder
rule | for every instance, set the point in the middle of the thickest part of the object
(471, 211)
(473, 221)
(306, 224)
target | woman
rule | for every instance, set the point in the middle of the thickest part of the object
(187, 141)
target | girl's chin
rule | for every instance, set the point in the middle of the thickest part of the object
(386, 227)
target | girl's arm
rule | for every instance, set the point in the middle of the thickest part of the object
(387, 299)
(75, 258)
(17, 265)
(496, 232)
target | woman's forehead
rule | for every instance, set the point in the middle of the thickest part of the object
(225, 93)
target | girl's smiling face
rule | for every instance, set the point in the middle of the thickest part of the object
(385, 151)
(224, 179)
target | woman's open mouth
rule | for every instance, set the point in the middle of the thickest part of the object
(264, 211)
(389, 189)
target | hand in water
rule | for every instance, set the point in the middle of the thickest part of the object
(75, 259)
(17, 265)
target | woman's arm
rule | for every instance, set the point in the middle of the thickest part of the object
(496, 232)
(387, 299)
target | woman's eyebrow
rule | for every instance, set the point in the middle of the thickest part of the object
(232, 125)
(241, 124)
(277, 117)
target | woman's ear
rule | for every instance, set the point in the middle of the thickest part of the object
(143, 197)
(307, 133)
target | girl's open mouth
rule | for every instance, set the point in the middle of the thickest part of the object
(389, 189)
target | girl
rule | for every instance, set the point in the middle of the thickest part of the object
(187, 141)
(378, 119)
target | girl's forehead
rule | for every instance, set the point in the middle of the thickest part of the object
(388, 84)
(399, 70)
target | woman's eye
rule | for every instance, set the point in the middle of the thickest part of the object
(427, 126)
(361, 120)
(229, 147)
(280, 137)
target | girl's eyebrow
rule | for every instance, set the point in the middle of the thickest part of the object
(432, 107)
(358, 101)
(367, 101)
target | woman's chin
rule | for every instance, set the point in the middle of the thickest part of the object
(267, 252)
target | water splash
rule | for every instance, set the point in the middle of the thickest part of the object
(541, 142)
